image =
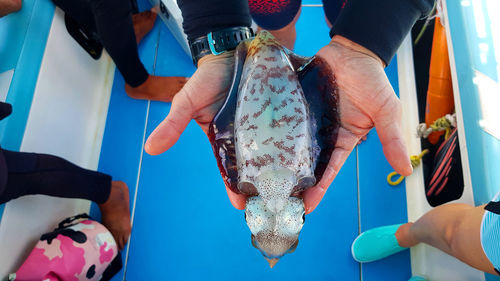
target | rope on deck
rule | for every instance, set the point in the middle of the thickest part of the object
(445, 123)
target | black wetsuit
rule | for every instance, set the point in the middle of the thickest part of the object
(111, 20)
(31, 173)
(379, 26)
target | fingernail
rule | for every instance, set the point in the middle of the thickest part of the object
(147, 146)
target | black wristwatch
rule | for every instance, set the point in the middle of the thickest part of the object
(217, 42)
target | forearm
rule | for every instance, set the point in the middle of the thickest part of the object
(9, 6)
(203, 16)
(379, 26)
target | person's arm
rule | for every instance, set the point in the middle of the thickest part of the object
(366, 36)
(379, 26)
(203, 16)
(9, 6)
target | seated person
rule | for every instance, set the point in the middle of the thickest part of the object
(468, 233)
(119, 32)
(30, 173)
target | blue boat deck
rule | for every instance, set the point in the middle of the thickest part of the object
(184, 227)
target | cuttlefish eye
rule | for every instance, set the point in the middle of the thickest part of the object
(303, 217)
(245, 213)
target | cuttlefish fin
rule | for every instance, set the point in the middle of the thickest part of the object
(321, 93)
(221, 130)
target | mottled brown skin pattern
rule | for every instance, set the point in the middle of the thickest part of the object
(274, 168)
(320, 92)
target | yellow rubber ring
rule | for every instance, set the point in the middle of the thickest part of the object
(396, 182)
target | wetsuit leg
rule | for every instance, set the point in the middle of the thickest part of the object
(31, 173)
(78, 10)
(273, 15)
(112, 21)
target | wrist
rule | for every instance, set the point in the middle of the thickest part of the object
(353, 46)
(218, 42)
(226, 57)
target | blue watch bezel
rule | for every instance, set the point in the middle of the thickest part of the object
(211, 45)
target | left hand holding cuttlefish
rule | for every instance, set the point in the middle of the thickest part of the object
(366, 100)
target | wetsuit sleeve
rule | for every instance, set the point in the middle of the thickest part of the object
(380, 26)
(203, 16)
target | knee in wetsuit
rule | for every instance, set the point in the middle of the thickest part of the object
(273, 15)
(332, 9)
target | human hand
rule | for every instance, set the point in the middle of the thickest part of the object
(199, 99)
(366, 99)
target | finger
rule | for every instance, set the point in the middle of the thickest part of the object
(237, 200)
(170, 129)
(346, 141)
(388, 127)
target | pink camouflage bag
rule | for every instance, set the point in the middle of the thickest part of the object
(79, 249)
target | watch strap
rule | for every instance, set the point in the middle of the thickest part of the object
(217, 42)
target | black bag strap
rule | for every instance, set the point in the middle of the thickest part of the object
(113, 268)
(68, 221)
(88, 40)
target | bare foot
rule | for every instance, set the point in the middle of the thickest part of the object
(143, 23)
(116, 214)
(157, 88)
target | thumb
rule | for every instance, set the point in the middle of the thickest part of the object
(387, 123)
(171, 128)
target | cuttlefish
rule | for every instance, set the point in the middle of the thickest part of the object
(273, 137)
